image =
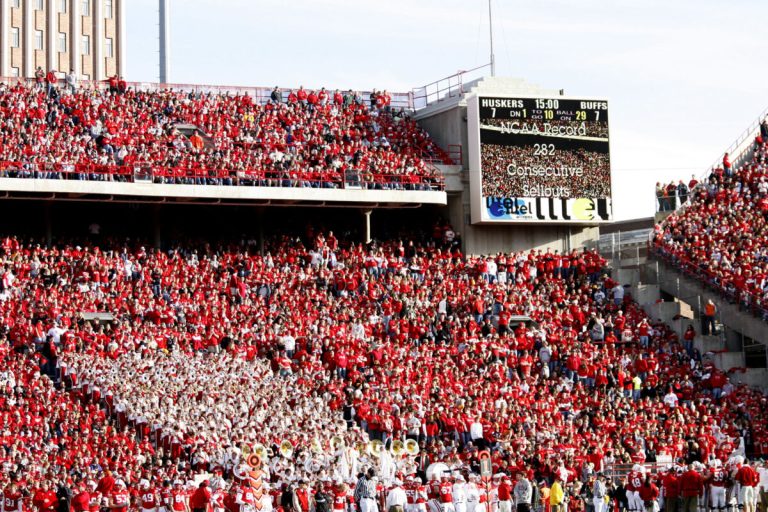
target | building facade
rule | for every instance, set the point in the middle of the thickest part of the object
(86, 36)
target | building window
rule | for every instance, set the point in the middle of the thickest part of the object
(86, 8)
(108, 9)
(109, 47)
(62, 43)
(16, 4)
(38, 39)
(14, 72)
(63, 6)
(39, 5)
(86, 49)
(15, 37)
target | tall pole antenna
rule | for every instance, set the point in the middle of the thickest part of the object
(490, 26)
(164, 40)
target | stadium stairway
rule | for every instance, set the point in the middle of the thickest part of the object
(667, 296)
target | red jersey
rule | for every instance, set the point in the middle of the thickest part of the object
(11, 501)
(339, 500)
(94, 504)
(634, 481)
(446, 492)
(717, 477)
(121, 500)
(178, 499)
(166, 496)
(148, 499)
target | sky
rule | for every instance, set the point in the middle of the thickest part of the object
(683, 78)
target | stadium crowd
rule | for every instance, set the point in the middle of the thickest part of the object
(573, 174)
(317, 350)
(300, 139)
(721, 236)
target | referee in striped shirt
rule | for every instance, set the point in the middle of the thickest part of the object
(365, 492)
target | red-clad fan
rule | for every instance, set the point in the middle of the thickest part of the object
(81, 500)
(671, 486)
(691, 488)
(12, 498)
(44, 498)
(748, 480)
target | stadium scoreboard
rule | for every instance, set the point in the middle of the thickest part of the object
(539, 160)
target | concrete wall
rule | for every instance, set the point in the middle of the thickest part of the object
(448, 127)
(40, 186)
(483, 239)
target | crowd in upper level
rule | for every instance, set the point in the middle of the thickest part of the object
(326, 345)
(300, 138)
(721, 235)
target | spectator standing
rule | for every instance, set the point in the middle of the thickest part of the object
(682, 192)
(39, 77)
(710, 310)
(322, 499)
(556, 495)
(523, 492)
(599, 494)
(661, 196)
(748, 480)
(201, 498)
(64, 495)
(727, 167)
(50, 82)
(365, 492)
(671, 485)
(302, 498)
(649, 493)
(396, 498)
(671, 193)
(504, 493)
(71, 80)
(691, 489)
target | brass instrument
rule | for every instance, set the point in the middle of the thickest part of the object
(411, 447)
(375, 448)
(260, 450)
(398, 448)
(337, 442)
(286, 449)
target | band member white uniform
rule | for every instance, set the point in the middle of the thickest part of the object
(473, 496)
(460, 494)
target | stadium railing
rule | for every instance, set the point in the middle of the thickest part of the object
(746, 300)
(447, 87)
(148, 173)
(618, 470)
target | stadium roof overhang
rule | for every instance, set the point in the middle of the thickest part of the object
(61, 190)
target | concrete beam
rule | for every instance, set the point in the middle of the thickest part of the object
(244, 193)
